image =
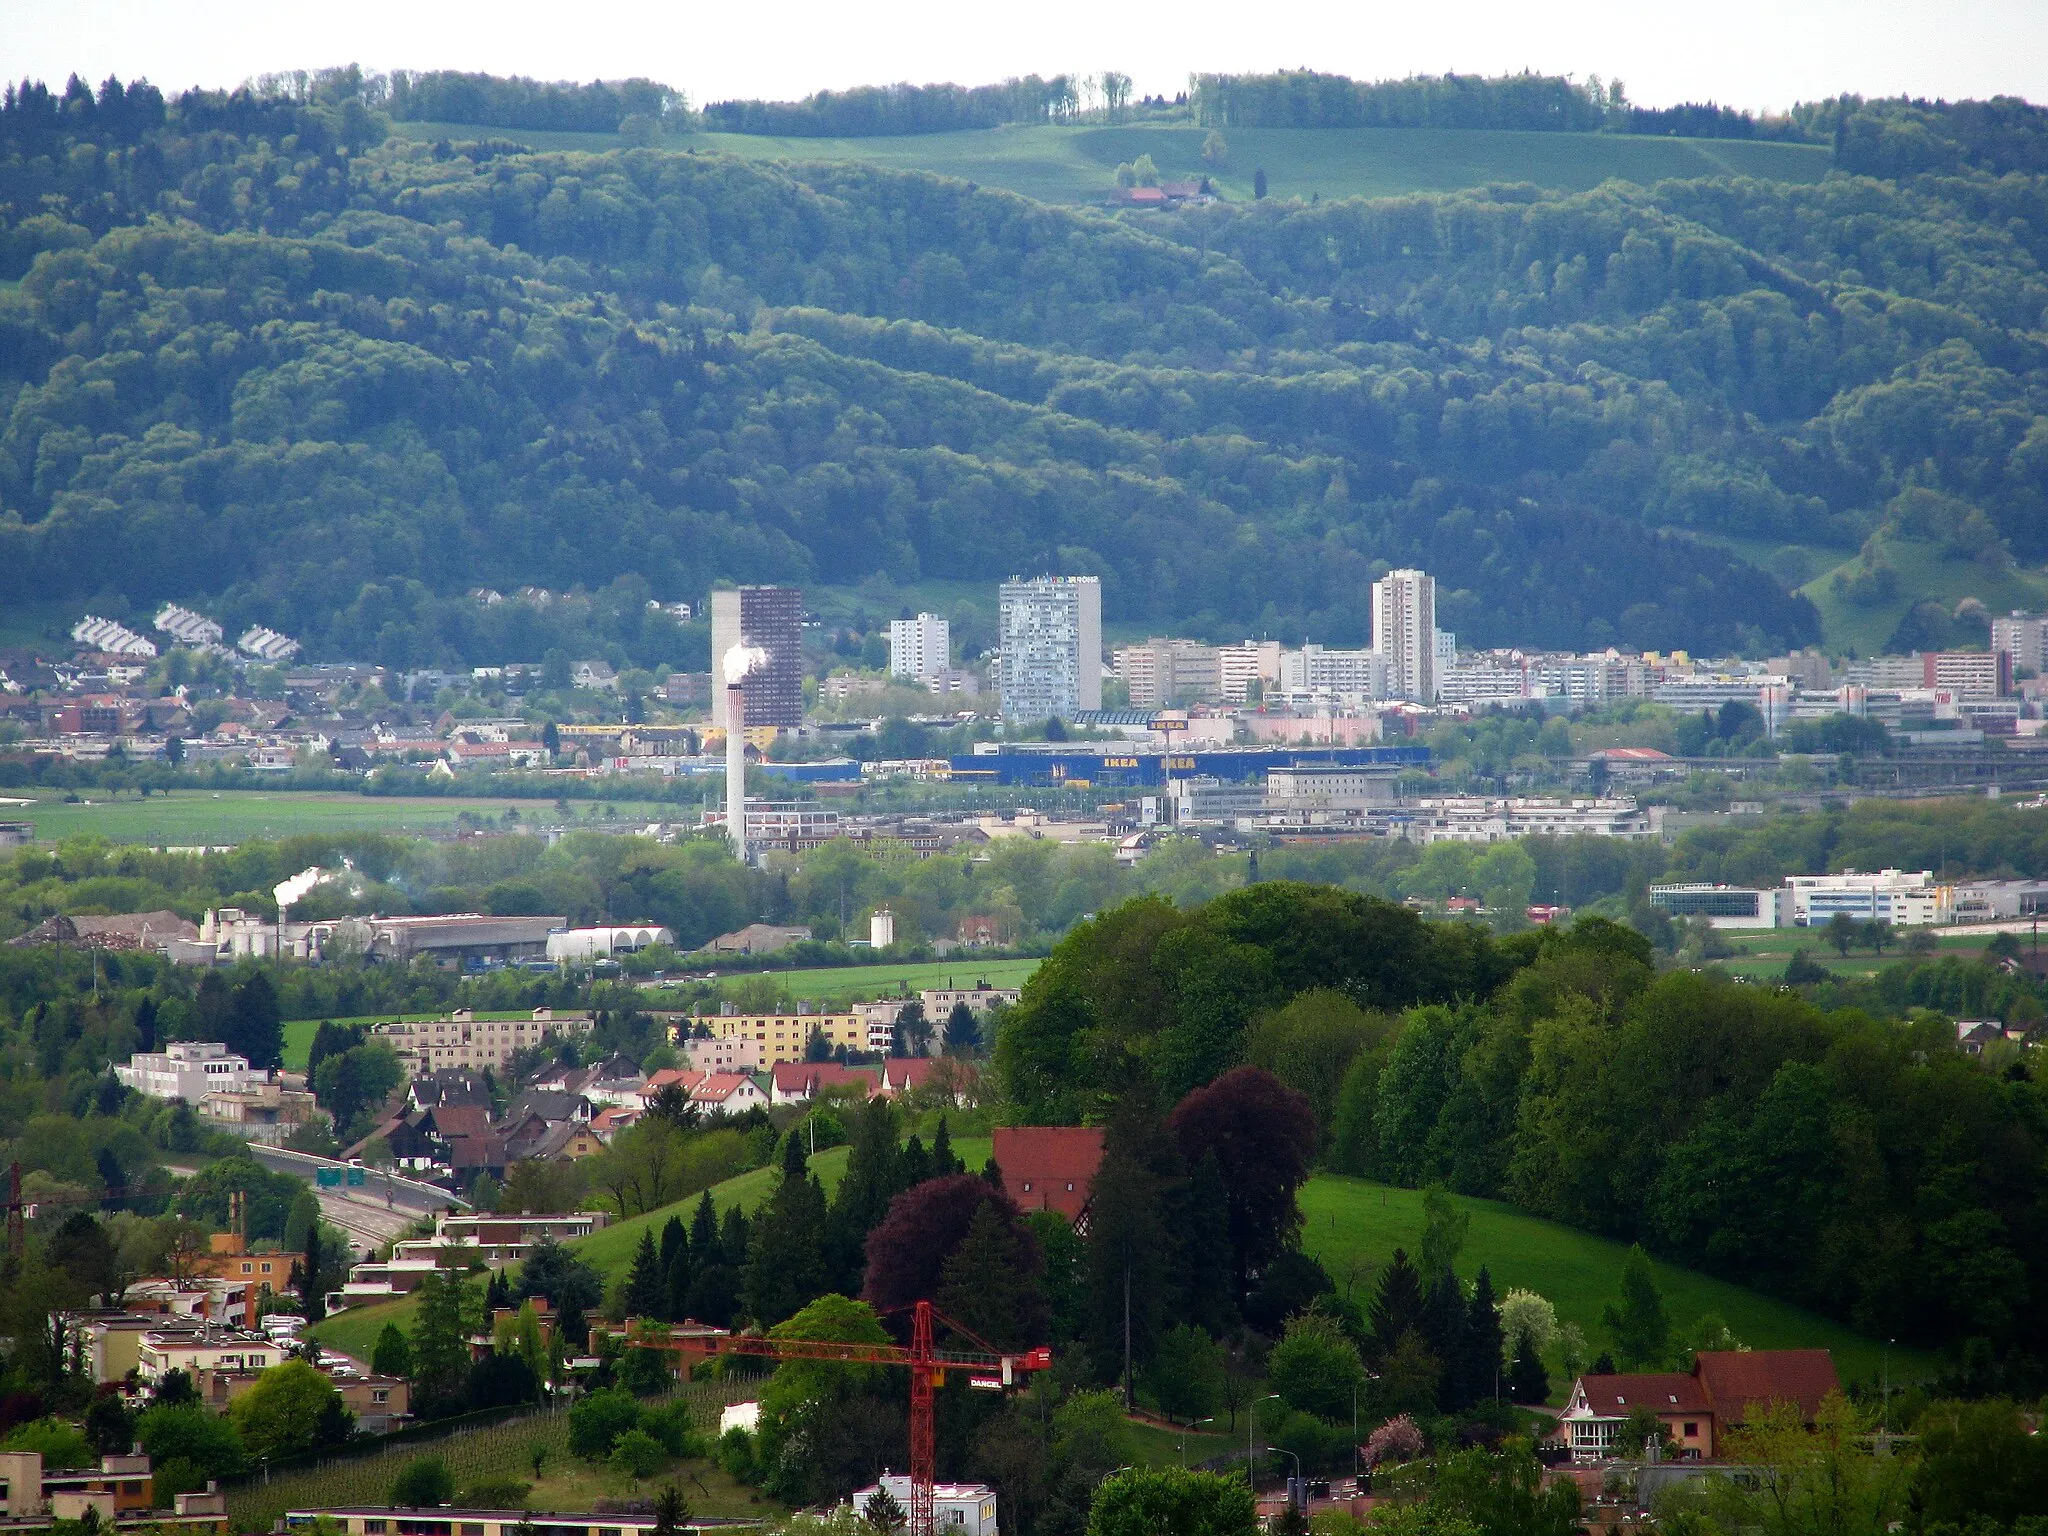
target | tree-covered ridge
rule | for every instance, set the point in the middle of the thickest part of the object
(264, 369)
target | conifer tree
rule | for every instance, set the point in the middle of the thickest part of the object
(1447, 1329)
(990, 1283)
(785, 1268)
(917, 1163)
(1202, 1223)
(1528, 1382)
(874, 1177)
(646, 1285)
(1396, 1308)
(944, 1163)
(1484, 1345)
(673, 1237)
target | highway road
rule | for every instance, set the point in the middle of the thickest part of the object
(371, 1213)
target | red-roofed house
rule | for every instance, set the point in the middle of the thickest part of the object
(900, 1074)
(798, 1082)
(1725, 1388)
(1049, 1167)
(722, 1093)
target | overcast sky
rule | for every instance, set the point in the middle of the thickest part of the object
(1749, 53)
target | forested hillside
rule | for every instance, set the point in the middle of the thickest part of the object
(262, 357)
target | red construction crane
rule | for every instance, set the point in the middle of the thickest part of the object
(928, 1364)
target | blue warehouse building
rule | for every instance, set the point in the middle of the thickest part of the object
(1102, 766)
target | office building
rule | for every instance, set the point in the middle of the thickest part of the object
(919, 647)
(1889, 896)
(772, 619)
(1051, 638)
(1404, 631)
(1724, 906)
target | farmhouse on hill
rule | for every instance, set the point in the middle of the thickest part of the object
(1724, 1389)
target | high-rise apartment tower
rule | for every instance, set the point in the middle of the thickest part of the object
(1051, 637)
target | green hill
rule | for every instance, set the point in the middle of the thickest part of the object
(1353, 1228)
(1075, 165)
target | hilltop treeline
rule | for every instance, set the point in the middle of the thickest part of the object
(327, 383)
(1864, 1168)
(870, 110)
(451, 96)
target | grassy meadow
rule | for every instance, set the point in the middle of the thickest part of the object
(190, 818)
(1076, 165)
(1353, 1227)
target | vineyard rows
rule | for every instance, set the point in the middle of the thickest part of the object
(494, 1452)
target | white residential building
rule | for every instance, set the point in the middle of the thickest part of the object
(189, 1070)
(187, 627)
(1051, 640)
(100, 634)
(920, 647)
(268, 645)
(1314, 669)
(958, 1509)
(1404, 631)
(1474, 820)
(1321, 788)
(1239, 666)
(1891, 896)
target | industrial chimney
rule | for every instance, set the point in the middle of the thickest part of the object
(736, 769)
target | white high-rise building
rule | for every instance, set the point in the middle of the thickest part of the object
(1315, 669)
(1404, 631)
(2024, 637)
(1051, 637)
(919, 647)
(1239, 666)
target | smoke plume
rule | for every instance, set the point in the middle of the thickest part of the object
(292, 891)
(741, 660)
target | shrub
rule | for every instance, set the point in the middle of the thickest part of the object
(674, 1427)
(496, 1493)
(639, 1454)
(1396, 1440)
(596, 1423)
(644, 1372)
(736, 1456)
(63, 1446)
(422, 1483)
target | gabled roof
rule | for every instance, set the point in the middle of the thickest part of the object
(718, 1087)
(1049, 1167)
(550, 1105)
(1619, 1395)
(812, 1077)
(900, 1073)
(456, 1120)
(1738, 1380)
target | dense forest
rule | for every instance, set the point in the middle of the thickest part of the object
(262, 358)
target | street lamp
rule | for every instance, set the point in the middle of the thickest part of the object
(1251, 1415)
(1184, 1438)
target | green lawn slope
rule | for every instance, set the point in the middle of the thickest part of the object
(1074, 165)
(1924, 575)
(1353, 1227)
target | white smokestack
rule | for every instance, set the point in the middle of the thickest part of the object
(736, 756)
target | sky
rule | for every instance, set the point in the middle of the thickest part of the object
(1759, 54)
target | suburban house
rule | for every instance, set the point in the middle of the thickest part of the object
(798, 1082)
(1724, 1389)
(1049, 1167)
(727, 1093)
(900, 1074)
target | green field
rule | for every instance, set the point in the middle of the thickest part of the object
(1076, 165)
(1762, 956)
(188, 818)
(1924, 575)
(1353, 1227)
(860, 982)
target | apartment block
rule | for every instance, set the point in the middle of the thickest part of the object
(2023, 637)
(1404, 631)
(464, 1040)
(1240, 666)
(1162, 672)
(787, 1036)
(771, 618)
(920, 648)
(1051, 640)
